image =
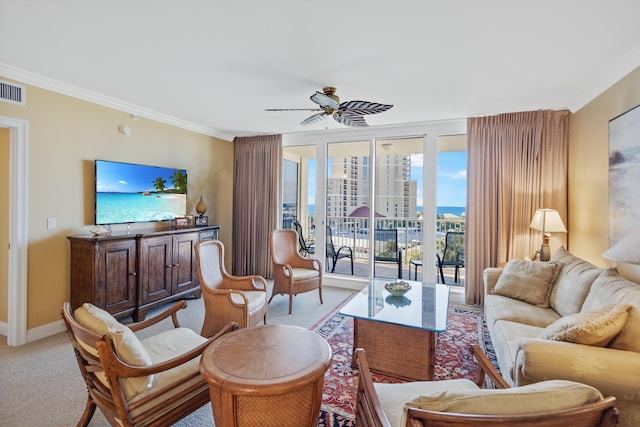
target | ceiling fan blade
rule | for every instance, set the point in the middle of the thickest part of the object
(347, 118)
(293, 109)
(364, 107)
(323, 100)
(313, 119)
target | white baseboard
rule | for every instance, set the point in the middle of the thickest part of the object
(39, 332)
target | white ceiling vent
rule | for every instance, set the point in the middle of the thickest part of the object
(12, 93)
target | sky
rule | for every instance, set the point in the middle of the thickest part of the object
(129, 178)
(451, 184)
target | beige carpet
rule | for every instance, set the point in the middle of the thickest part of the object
(40, 384)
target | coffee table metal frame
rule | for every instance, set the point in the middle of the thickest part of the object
(399, 333)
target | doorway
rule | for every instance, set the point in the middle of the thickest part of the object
(16, 330)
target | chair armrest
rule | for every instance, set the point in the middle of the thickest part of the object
(490, 277)
(613, 372)
(368, 405)
(171, 311)
(485, 367)
(246, 283)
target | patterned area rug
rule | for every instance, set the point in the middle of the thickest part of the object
(465, 326)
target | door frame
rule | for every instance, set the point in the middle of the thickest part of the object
(16, 330)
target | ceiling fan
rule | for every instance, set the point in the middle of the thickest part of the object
(349, 113)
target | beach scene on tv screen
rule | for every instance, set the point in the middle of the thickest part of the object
(138, 193)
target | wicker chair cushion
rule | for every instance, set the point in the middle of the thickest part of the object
(394, 396)
(544, 396)
(128, 346)
(256, 298)
(304, 273)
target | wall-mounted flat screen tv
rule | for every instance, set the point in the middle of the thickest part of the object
(127, 193)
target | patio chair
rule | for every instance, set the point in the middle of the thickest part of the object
(452, 255)
(462, 403)
(342, 252)
(305, 248)
(155, 381)
(386, 249)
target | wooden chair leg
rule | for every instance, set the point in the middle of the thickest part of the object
(89, 410)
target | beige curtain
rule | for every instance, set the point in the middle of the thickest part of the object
(256, 173)
(516, 164)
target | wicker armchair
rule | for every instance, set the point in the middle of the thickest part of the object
(153, 382)
(240, 299)
(381, 405)
(292, 273)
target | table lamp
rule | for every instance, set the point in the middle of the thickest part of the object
(626, 249)
(547, 221)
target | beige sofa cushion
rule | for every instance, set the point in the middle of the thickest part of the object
(528, 281)
(589, 327)
(544, 396)
(128, 346)
(573, 284)
(610, 288)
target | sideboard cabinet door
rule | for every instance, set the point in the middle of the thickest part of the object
(103, 272)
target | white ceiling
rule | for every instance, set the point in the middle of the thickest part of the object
(214, 66)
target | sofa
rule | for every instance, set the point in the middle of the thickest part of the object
(567, 319)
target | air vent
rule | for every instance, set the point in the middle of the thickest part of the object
(12, 93)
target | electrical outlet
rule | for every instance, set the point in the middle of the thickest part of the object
(51, 223)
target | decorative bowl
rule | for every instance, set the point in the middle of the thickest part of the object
(397, 289)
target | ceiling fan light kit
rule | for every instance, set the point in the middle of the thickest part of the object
(349, 113)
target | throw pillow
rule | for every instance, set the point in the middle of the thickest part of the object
(128, 346)
(573, 284)
(543, 396)
(528, 281)
(595, 328)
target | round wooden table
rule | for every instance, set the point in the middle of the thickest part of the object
(266, 376)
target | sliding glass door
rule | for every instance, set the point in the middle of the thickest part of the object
(368, 205)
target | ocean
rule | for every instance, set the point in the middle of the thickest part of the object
(441, 210)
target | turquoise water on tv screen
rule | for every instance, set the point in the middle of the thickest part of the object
(119, 208)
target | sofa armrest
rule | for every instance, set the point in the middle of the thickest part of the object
(490, 277)
(613, 372)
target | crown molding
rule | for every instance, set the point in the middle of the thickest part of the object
(33, 79)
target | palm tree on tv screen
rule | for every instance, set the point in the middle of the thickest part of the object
(179, 181)
(159, 183)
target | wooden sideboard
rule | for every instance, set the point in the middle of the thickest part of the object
(132, 273)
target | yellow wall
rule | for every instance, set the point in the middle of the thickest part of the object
(589, 172)
(65, 136)
(4, 221)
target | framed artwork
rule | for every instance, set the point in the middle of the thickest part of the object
(182, 222)
(624, 174)
(202, 221)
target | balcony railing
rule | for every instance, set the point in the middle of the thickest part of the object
(354, 233)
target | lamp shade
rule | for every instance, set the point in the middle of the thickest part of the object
(548, 221)
(626, 249)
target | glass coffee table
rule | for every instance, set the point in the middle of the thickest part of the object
(399, 332)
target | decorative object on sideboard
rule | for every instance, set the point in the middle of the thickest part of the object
(547, 221)
(626, 249)
(100, 230)
(182, 222)
(201, 219)
(201, 207)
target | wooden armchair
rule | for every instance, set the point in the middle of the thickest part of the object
(292, 273)
(545, 404)
(227, 298)
(153, 382)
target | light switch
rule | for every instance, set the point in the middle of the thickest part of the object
(51, 223)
